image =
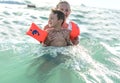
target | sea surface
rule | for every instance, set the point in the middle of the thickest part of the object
(24, 60)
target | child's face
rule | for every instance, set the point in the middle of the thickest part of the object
(53, 20)
(65, 8)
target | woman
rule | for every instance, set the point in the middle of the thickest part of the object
(75, 31)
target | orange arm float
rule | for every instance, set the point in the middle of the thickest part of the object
(38, 34)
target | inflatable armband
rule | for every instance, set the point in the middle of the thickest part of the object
(75, 32)
(35, 32)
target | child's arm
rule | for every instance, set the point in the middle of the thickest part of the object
(48, 38)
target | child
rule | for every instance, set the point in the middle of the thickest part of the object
(57, 35)
(75, 31)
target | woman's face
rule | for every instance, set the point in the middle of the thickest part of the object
(65, 8)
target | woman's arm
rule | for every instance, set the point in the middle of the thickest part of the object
(75, 41)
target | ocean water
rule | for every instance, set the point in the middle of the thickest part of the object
(23, 60)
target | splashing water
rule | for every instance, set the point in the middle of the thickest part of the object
(94, 60)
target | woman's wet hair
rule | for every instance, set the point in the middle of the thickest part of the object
(61, 3)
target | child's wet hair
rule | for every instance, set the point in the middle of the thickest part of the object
(60, 14)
